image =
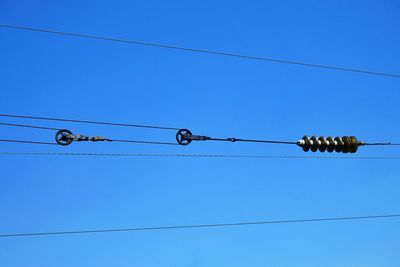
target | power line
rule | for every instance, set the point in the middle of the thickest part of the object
(143, 142)
(111, 140)
(253, 141)
(183, 136)
(27, 142)
(88, 122)
(193, 155)
(28, 126)
(175, 227)
(204, 51)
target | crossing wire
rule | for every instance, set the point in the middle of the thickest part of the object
(84, 154)
(203, 51)
(29, 126)
(88, 122)
(214, 225)
(27, 142)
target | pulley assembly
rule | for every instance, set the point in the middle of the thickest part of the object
(65, 137)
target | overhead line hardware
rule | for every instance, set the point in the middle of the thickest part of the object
(195, 50)
(184, 137)
(65, 137)
(345, 144)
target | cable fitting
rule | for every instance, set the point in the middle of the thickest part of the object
(66, 137)
(344, 144)
(184, 137)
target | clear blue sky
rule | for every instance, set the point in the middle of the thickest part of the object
(49, 75)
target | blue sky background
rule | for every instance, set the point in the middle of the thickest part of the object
(47, 75)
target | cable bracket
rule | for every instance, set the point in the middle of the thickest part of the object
(65, 137)
(184, 137)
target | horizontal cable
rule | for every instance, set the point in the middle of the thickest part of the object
(195, 155)
(381, 144)
(88, 122)
(111, 140)
(142, 142)
(214, 225)
(28, 126)
(27, 142)
(204, 51)
(253, 141)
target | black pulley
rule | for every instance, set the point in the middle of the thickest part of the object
(62, 137)
(181, 137)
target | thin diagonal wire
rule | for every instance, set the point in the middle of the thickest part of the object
(27, 142)
(204, 51)
(214, 225)
(88, 122)
(28, 126)
(194, 155)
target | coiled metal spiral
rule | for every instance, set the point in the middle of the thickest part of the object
(344, 144)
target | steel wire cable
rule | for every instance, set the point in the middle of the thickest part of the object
(73, 154)
(253, 141)
(29, 126)
(153, 127)
(111, 140)
(88, 122)
(143, 142)
(203, 51)
(194, 226)
(27, 142)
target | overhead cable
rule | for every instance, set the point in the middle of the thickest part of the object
(27, 142)
(203, 51)
(29, 126)
(88, 122)
(4, 153)
(184, 137)
(111, 140)
(194, 226)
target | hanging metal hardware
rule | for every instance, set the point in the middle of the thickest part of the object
(66, 137)
(344, 144)
(184, 137)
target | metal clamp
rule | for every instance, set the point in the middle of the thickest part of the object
(65, 137)
(184, 137)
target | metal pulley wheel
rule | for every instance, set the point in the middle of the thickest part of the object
(181, 137)
(62, 137)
